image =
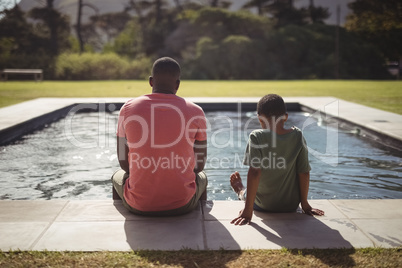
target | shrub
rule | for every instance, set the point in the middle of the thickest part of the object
(31, 61)
(89, 66)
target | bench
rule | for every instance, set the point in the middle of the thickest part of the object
(38, 73)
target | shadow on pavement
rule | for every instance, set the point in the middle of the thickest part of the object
(171, 240)
(305, 234)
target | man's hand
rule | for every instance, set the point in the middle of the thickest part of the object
(312, 211)
(244, 218)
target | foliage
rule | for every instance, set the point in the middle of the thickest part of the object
(283, 42)
(89, 66)
(29, 61)
(290, 52)
(129, 42)
(308, 52)
(284, 13)
(52, 26)
(219, 23)
(17, 34)
(229, 58)
(103, 28)
(26, 45)
(74, 46)
(380, 23)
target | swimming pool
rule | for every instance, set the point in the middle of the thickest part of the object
(75, 157)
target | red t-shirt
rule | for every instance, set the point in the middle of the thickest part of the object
(160, 130)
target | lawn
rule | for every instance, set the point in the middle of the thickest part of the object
(385, 95)
(369, 257)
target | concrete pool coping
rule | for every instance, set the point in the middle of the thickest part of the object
(105, 225)
(93, 225)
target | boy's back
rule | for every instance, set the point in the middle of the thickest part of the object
(279, 173)
(281, 158)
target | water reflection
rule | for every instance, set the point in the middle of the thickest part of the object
(49, 164)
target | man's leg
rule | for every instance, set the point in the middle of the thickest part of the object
(118, 180)
(201, 188)
(201, 191)
(202, 183)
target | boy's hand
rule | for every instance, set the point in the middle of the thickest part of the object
(244, 218)
(312, 211)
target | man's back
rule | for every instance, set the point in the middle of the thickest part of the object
(160, 130)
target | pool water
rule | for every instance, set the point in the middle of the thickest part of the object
(74, 158)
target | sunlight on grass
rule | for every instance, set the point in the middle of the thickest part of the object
(385, 95)
(367, 257)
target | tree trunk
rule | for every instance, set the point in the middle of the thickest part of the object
(78, 26)
(52, 24)
(158, 7)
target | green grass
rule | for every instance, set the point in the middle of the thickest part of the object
(368, 257)
(385, 95)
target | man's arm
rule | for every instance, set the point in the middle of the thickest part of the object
(200, 154)
(122, 154)
(304, 183)
(253, 179)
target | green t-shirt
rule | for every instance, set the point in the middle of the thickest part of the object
(281, 158)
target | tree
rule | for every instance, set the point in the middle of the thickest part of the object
(259, 4)
(156, 21)
(317, 14)
(285, 13)
(380, 23)
(129, 42)
(17, 34)
(23, 46)
(110, 24)
(306, 52)
(78, 26)
(54, 26)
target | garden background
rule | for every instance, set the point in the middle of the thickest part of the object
(263, 39)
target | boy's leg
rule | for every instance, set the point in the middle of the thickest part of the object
(237, 186)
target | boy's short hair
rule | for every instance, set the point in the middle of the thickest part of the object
(271, 105)
(166, 66)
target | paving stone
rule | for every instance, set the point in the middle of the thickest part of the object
(26, 211)
(20, 235)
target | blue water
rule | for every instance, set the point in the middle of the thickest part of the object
(75, 157)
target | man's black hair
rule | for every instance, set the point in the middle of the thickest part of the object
(271, 105)
(166, 66)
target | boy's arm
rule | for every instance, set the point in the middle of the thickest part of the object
(304, 182)
(253, 179)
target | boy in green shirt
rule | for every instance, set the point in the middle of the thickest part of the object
(279, 171)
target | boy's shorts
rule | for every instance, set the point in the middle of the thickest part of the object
(119, 178)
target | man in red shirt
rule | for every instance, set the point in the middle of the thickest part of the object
(162, 148)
